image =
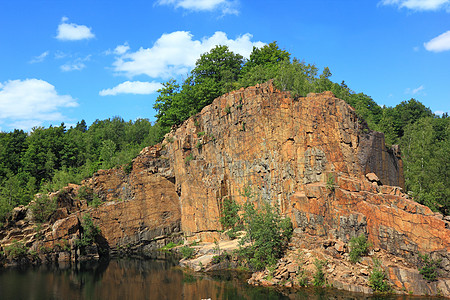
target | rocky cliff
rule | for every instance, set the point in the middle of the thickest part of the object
(309, 156)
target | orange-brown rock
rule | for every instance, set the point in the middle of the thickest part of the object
(308, 155)
(152, 211)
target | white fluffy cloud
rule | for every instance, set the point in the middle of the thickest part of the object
(30, 102)
(439, 43)
(176, 53)
(419, 4)
(132, 87)
(121, 49)
(73, 32)
(225, 6)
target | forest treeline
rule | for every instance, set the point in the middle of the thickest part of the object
(47, 159)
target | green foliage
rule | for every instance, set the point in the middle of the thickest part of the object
(92, 199)
(429, 267)
(302, 276)
(378, 280)
(224, 256)
(170, 245)
(16, 250)
(331, 184)
(89, 233)
(215, 73)
(426, 147)
(42, 208)
(189, 158)
(358, 247)
(229, 214)
(268, 233)
(319, 278)
(39, 234)
(47, 159)
(187, 252)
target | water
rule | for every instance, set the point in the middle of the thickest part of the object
(144, 279)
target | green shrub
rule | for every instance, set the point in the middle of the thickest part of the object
(90, 232)
(42, 208)
(429, 267)
(96, 201)
(92, 199)
(331, 184)
(39, 234)
(358, 247)
(16, 250)
(377, 279)
(220, 258)
(319, 275)
(189, 158)
(302, 276)
(128, 167)
(200, 134)
(170, 245)
(187, 252)
(229, 214)
(268, 234)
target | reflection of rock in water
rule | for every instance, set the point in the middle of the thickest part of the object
(139, 279)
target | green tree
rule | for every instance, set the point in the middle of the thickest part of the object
(262, 64)
(427, 162)
(267, 232)
(214, 74)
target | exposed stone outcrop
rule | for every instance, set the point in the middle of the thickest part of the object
(310, 156)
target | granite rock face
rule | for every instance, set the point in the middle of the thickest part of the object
(309, 156)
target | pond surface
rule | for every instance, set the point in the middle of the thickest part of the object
(144, 279)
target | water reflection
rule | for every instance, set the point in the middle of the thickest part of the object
(143, 279)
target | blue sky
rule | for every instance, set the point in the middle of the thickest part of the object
(63, 61)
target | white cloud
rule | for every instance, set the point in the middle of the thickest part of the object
(73, 32)
(132, 87)
(121, 49)
(419, 4)
(76, 65)
(39, 58)
(439, 112)
(176, 53)
(414, 91)
(60, 55)
(225, 6)
(30, 102)
(439, 43)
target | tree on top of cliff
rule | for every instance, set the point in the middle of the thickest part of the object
(215, 73)
(395, 119)
(267, 56)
